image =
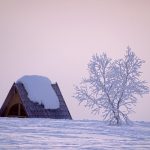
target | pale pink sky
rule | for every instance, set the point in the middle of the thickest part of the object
(56, 38)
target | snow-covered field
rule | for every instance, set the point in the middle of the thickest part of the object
(37, 134)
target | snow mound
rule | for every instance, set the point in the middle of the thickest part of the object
(39, 90)
(59, 134)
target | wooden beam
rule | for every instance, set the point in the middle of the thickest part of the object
(19, 111)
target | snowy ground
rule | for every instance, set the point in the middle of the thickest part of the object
(71, 135)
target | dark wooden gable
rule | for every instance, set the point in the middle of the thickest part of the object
(13, 106)
(34, 110)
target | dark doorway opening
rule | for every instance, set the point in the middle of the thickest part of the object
(17, 110)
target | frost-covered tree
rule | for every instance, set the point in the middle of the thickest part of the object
(112, 86)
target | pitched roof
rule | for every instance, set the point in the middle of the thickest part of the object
(34, 110)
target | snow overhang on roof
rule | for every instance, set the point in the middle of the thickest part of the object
(39, 90)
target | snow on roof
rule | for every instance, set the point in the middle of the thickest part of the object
(39, 90)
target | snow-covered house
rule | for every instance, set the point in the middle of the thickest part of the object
(35, 97)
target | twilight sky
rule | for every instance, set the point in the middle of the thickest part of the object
(56, 38)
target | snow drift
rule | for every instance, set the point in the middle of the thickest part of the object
(37, 134)
(39, 90)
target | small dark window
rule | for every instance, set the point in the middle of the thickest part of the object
(15, 91)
